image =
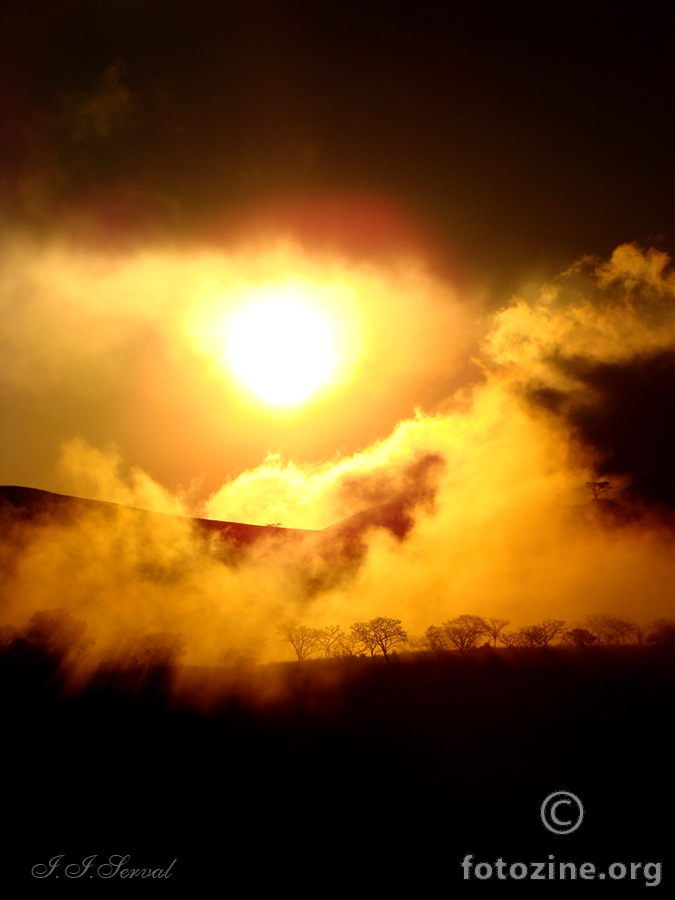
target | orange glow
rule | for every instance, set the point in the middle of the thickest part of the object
(280, 346)
(260, 347)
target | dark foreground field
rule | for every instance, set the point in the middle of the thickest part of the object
(341, 770)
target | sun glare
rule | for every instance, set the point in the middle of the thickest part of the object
(280, 347)
(282, 330)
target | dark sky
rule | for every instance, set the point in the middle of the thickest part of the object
(519, 135)
(504, 142)
(481, 202)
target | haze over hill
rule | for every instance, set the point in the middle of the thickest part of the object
(334, 310)
(156, 556)
(32, 504)
(499, 317)
(226, 588)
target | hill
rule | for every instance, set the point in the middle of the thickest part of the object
(25, 504)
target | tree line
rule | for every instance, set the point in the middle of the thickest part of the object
(380, 635)
(53, 637)
(467, 632)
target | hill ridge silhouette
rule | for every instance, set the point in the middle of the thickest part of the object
(29, 504)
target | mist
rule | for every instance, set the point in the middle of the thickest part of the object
(477, 504)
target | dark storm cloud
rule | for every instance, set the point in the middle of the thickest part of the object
(598, 352)
(525, 137)
(624, 412)
(391, 497)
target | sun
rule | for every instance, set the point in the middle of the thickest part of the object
(280, 347)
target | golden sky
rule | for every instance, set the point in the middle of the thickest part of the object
(244, 278)
(484, 429)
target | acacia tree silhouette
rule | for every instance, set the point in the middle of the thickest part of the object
(598, 487)
(381, 634)
(540, 635)
(610, 629)
(329, 639)
(437, 638)
(580, 637)
(465, 631)
(347, 644)
(302, 638)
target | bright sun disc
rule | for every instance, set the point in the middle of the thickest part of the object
(280, 348)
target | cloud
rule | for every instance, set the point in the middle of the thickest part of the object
(479, 506)
(131, 342)
(597, 349)
(89, 472)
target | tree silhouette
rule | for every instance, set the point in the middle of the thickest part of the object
(598, 487)
(380, 634)
(580, 637)
(158, 650)
(8, 633)
(303, 639)
(548, 631)
(610, 629)
(466, 631)
(622, 629)
(328, 639)
(58, 634)
(662, 633)
(437, 638)
(51, 638)
(236, 659)
(347, 644)
(495, 628)
(536, 635)
(519, 638)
